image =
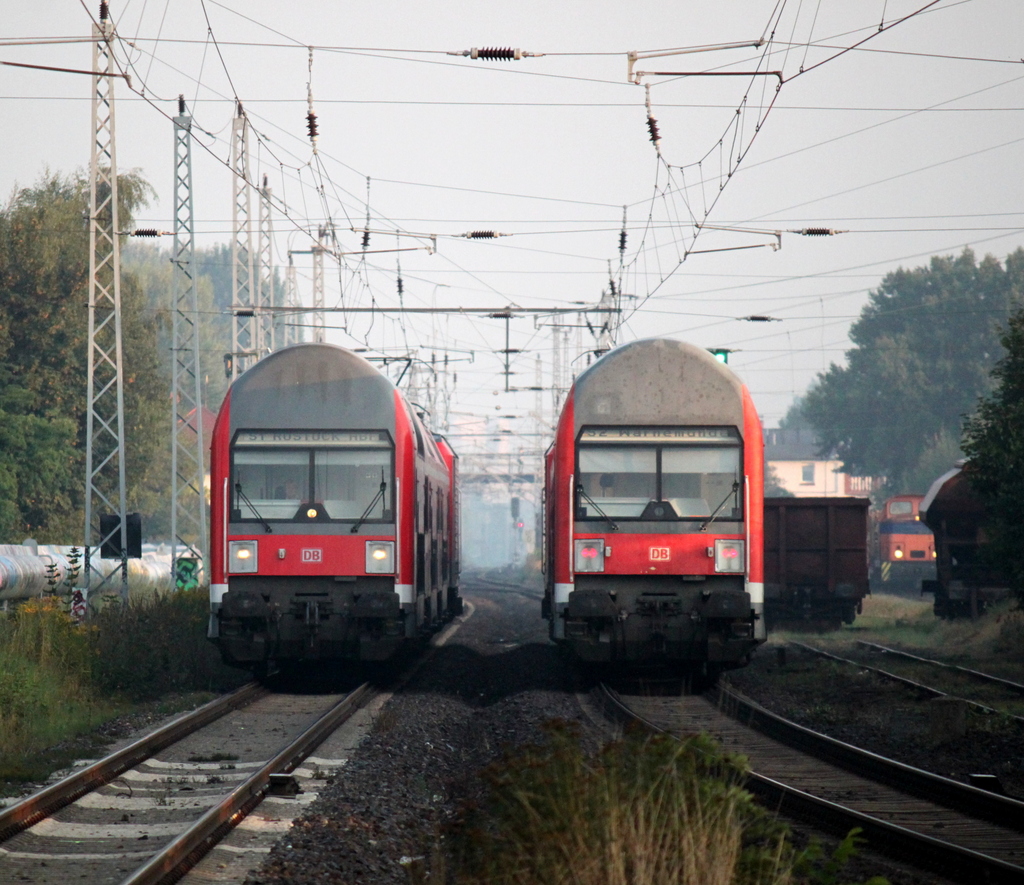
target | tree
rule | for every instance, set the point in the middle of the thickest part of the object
(994, 444)
(44, 279)
(924, 345)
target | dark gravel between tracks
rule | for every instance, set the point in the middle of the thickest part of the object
(491, 686)
(874, 714)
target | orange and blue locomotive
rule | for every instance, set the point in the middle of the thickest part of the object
(906, 546)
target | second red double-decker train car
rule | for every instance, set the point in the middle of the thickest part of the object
(333, 524)
(654, 512)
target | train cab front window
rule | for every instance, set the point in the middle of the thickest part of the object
(618, 480)
(695, 474)
(344, 480)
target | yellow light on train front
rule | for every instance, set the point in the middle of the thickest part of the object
(380, 557)
(311, 513)
(242, 558)
(898, 553)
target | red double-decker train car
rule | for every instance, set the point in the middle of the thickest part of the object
(332, 515)
(654, 513)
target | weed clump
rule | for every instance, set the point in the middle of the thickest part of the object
(60, 679)
(645, 810)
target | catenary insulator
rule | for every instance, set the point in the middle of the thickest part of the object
(366, 239)
(401, 287)
(311, 125)
(818, 231)
(652, 127)
(145, 232)
(481, 235)
(181, 105)
(104, 11)
(497, 53)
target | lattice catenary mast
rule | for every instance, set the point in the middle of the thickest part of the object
(188, 501)
(244, 342)
(105, 450)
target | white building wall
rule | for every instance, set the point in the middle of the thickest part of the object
(811, 479)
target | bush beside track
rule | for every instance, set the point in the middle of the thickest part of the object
(60, 683)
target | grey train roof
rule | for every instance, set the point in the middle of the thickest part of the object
(658, 381)
(313, 386)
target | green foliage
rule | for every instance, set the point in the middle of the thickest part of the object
(923, 348)
(994, 445)
(44, 683)
(644, 810)
(148, 648)
(814, 865)
(44, 281)
(59, 680)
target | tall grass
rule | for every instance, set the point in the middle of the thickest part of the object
(46, 694)
(60, 680)
(643, 811)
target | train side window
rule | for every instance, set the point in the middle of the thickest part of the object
(419, 436)
(807, 474)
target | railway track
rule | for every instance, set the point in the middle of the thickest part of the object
(993, 696)
(958, 831)
(137, 819)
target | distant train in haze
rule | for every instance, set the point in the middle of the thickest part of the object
(334, 523)
(653, 513)
(905, 547)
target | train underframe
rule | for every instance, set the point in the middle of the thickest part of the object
(960, 599)
(660, 621)
(811, 605)
(263, 620)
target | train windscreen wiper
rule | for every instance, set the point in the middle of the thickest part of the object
(252, 507)
(378, 497)
(718, 509)
(611, 522)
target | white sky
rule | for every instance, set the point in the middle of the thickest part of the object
(912, 143)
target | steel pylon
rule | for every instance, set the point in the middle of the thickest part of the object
(105, 448)
(188, 498)
(244, 336)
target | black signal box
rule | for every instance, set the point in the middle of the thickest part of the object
(110, 530)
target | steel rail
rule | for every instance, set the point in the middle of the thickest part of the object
(909, 683)
(977, 674)
(917, 848)
(188, 848)
(34, 808)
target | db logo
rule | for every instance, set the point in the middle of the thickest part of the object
(309, 555)
(660, 554)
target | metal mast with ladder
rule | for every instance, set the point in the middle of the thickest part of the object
(105, 517)
(188, 500)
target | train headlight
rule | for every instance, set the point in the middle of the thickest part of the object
(380, 557)
(730, 556)
(898, 553)
(242, 557)
(590, 555)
